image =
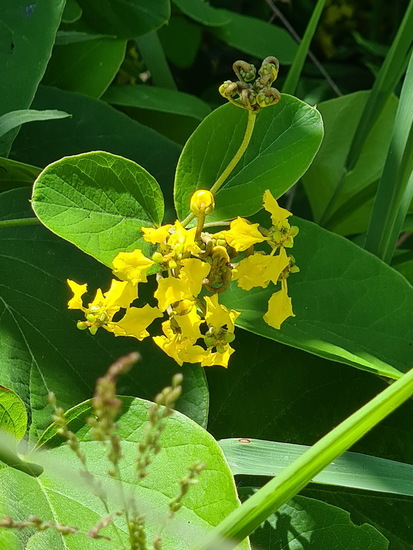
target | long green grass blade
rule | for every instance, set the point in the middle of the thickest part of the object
(256, 457)
(240, 523)
(395, 193)
(294, 73)
(389, 75)
(152, 52)
(12, 120)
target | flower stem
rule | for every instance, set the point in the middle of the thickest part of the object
(234, 161)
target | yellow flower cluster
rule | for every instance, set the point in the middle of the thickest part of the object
(188, 264)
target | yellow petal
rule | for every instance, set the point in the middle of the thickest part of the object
(183, 240)
(279, 307)
(217, 358)
(78, 291)
(156, 235)
(271, 205)
(193, 272)
(242, 234)
(132, 266)
(192, 354)
(170, 290)
(135, 322)
(120, 294)
(169, 347)
(259, 269)
(218, 315)
(189, 325)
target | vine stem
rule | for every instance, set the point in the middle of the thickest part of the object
(21, 221)
(252, 115)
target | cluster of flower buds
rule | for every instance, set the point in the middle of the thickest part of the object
(193, 268)
(251, 92)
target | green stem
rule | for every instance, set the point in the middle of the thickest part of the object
(234, 161)
(245, 519)
(21, 221)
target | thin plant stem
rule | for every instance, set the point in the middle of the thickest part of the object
(19, 222)
(234, 161)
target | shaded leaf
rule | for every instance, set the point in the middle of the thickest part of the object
(93, 126)
(256, 37)
(27, 32)
(125, 19)
(308, 523)
(202, 12)
(16, 174)
(87, 67)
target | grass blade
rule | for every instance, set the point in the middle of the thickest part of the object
(395, 193)
(294, 73)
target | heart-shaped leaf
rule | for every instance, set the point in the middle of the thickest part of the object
(99, 202)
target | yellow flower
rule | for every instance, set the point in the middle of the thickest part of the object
(217, 315)
(218, 358)
(180, 348)
(187, 286)
(170, 290)
(279, 307)
(242, 234)
(271, 205)
(78, 290)
(183, 240)
(156, 235)
(101, 310)
(193, 273)
(132, 266)
(189, 324)
(135, 322)
(260, 269)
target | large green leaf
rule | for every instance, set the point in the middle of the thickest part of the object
(87, 67)
(308, 523)
(41, 348)
(349, 305)
(256, 37)
(13, 415)
(99, 202)
(125, 19)
(94, 126)
(286, 137)
(257, 457)
(27, 33)
(61, 494)
(352, 209)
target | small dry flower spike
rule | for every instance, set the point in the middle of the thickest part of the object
(194, 267)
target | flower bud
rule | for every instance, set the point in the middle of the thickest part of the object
(202, 202)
